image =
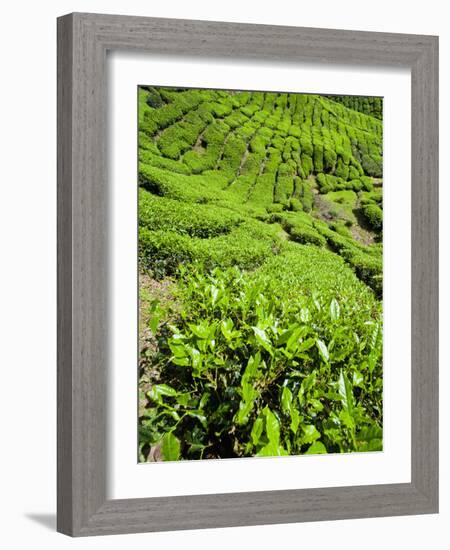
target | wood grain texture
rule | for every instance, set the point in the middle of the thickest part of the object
(64, 275)
(425, 272)
(83, 206)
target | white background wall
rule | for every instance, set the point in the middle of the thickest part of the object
(28, 270)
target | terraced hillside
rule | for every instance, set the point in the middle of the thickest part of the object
(260, 252)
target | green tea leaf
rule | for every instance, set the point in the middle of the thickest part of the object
(308, 382)
(295, 420)
(317, 448)
(346, 392)
(370, 439)
(285, 335)
(257, 429)
(245, 408)
(310, 433)
(262, 339)
(375, 445)
(181, 361)
(335, 310)
(170, 447)
(214, 294)
(358, 378)
(272, 427)
(248, 392)
(201, 330)
(323, 350)
(196, 359)
(293, 340)
(272, 450)
(316, 404)
(159, 390)
(204, 400)
(178, 349)
(183, 399)
(305, 315)
(154, 323)
(251, 370)
(347, 419)
(226, 327)
(286, 400)
(306, 344)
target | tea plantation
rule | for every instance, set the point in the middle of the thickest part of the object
(260, 258)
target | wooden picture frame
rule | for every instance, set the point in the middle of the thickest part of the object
(83, 41)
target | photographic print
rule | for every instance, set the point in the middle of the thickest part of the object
(260, 274)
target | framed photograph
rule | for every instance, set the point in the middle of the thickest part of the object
(247, 274)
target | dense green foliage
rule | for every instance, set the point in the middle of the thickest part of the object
(369, 105)
(291, 376)
(260, 226)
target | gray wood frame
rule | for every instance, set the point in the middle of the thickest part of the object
(83, 40)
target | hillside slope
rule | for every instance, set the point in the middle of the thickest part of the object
(261, 211)
(265, 155)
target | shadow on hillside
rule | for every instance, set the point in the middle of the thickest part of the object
(363, 224)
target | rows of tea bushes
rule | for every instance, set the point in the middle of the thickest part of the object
(260, 229)
(372, 106)
(251, 134)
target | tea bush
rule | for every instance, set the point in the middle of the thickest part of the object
(374, 216)
(197, 220)
(153, 99)
(367, 263)
(299, 230)
(246, 374)
(247, 246)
